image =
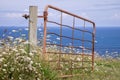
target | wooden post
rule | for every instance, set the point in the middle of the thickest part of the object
(33, 26)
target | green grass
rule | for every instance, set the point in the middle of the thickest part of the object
(105, 69)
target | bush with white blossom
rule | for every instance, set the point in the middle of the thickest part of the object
(16, 63)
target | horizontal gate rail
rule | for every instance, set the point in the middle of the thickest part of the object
(70, 46)
(69, 37)
(70, 27)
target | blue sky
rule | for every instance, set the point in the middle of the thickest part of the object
(102, 12)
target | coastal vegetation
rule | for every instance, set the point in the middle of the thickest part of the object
(17, 63)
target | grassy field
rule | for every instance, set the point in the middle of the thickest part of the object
(17, 63)
(105, 69)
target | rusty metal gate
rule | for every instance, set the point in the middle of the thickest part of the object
(68, 42)
(67, 53)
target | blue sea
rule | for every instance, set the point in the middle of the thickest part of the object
(107, 39)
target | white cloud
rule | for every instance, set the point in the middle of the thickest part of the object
(26, 10)
(13, 15)
(116, 16)
(85, 15)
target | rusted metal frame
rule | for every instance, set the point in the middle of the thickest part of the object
(83, 44)
(73, 33)
(69, 37)
(49, 6)
(68, 53)
(60, 32)
(83, 30)
(93, 40)
(67, 60)
(72, 69)
(69, 76)
(80, 67)
(70, 46)
(70, 27)
(60, 40)
(45, 32)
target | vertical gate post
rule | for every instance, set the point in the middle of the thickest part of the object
(45, 33)
(33, 26)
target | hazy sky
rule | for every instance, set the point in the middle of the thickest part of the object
(102, 12)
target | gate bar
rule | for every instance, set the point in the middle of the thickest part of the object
(49, 6)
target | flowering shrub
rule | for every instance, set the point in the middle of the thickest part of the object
(17, 64)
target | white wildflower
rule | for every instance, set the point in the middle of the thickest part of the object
(4, 53)
(96, 69)
(15, 42)
(15, 50)
(78, 59)
(34, 68)
(1, 42)
(61, 65)
(1, 59)
(80, 64)
(5, 65)
(31, 54)
(95, 64)
(34, 51)
(26, 42)
(17, 69)
(22, 50)
(20, 78)
(19, 39)
(30, 67)
(38, 79)
(36, 63)
(66, 69)
(86, 69)
(71, 58)
(73, 66)
(4, 70)
(31, 62)
(17, 54)
(27, 59)
(10, 37)
(50, 58)
(89, 58)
